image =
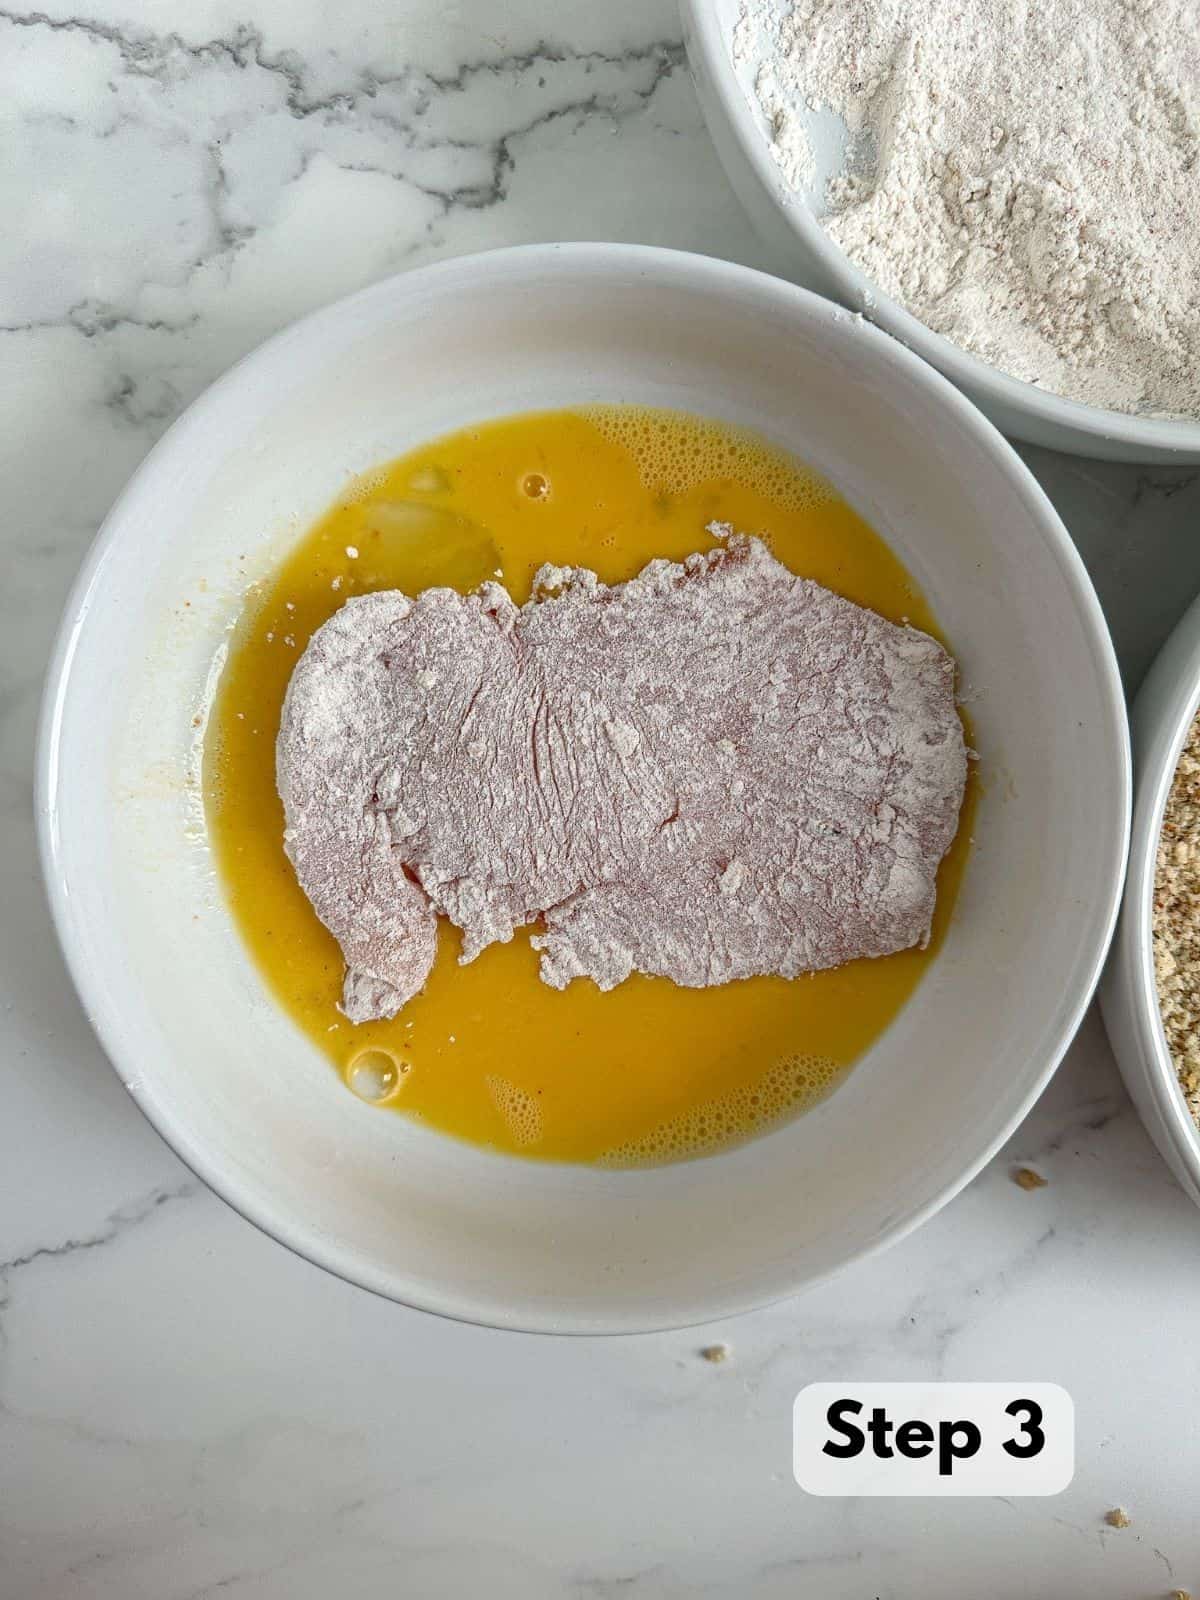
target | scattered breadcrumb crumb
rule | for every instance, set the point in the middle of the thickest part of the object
(1027, 1178)
(1118, 1517)
(1181, 1594)
(715, 1352)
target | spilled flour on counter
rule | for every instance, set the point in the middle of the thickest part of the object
(1024, 175)
(712, 771)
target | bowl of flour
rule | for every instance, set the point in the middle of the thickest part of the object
(1014, 191)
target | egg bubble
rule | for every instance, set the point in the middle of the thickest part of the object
(674, 452)
(535, 486)
(787, 1086)
(521, 1111)
(374, 1074)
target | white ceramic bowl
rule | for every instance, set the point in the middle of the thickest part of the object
(789, 221)
(1162, 714)
(238, 1090)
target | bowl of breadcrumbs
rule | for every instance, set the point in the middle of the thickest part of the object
(1151, 991)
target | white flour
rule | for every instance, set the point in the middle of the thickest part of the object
(1027, 175)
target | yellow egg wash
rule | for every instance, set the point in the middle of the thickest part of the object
(648, 1072)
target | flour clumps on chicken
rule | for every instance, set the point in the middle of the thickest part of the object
(713, 771)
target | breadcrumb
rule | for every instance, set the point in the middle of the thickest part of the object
(1027, 1178)
(1176, 921)
(715, 1352)
(1118, 1517)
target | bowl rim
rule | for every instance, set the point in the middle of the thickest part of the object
(703, 31)
(617, 261)
(1165, 708)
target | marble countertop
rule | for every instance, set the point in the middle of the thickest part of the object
(186, 1410)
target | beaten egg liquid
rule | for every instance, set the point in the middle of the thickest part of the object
(648, 1072)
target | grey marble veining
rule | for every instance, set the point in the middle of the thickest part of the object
(186, 1410)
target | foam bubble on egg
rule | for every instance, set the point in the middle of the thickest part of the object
(674, 452)
(521, 1112)
(790, 1085)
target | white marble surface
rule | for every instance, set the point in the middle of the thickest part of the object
(185, 1409)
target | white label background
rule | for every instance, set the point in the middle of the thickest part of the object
(991, 1471)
